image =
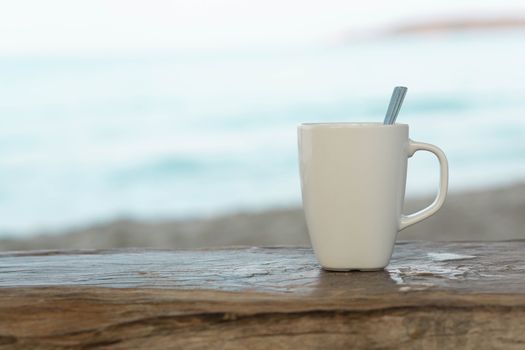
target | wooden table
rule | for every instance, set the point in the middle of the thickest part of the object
(432, 296)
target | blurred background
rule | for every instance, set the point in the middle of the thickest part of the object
(173, 123)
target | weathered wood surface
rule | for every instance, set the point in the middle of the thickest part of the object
(431, 296)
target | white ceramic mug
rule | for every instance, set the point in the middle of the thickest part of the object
(353, 178)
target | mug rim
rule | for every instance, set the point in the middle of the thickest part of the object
(350, 125)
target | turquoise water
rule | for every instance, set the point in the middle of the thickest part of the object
(156, 135)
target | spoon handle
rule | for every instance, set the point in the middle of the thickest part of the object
(401, 98)
(398, 95)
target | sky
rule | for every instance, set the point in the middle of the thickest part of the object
(65, 26)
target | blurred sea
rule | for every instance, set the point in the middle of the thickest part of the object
(177, 134)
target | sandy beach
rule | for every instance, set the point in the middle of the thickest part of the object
(491, 214)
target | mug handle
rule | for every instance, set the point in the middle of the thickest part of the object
(413, 147)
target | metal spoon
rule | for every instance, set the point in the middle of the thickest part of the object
(398, 95)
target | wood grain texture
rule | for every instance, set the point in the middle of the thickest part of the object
(432, 295)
